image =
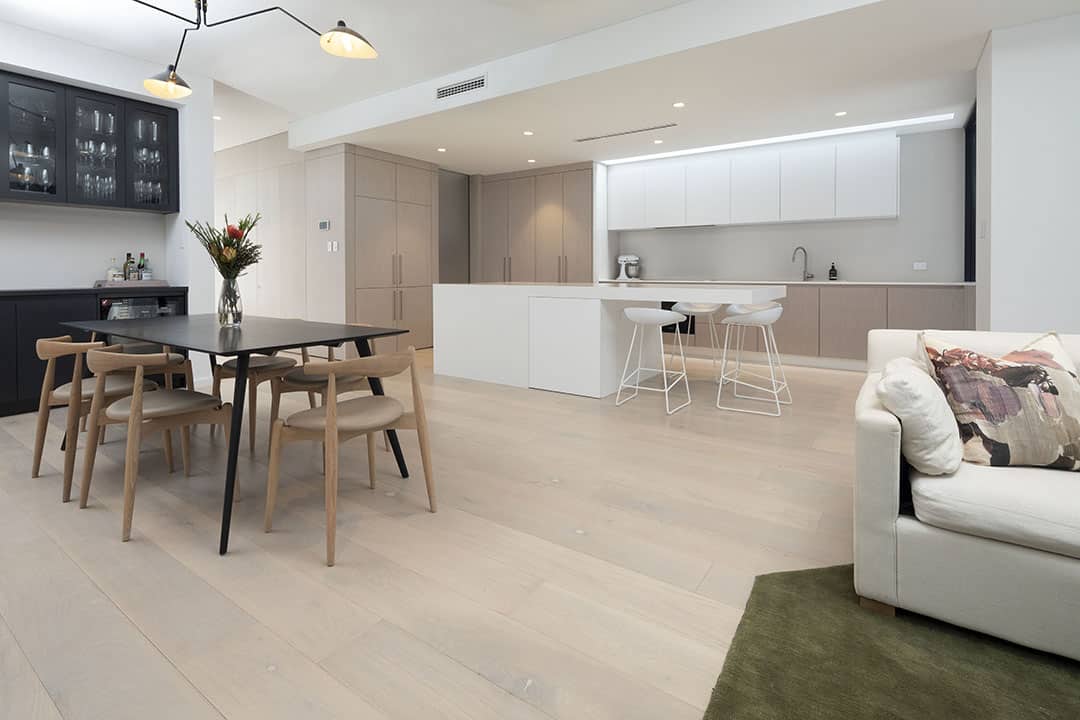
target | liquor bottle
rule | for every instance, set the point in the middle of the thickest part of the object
(833, 274)
(129, 268)
(141, 267)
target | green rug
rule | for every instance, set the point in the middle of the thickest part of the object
(805, 650)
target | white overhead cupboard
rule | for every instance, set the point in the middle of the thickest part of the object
(845, 177)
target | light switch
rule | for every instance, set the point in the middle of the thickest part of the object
(329, 246)
(324, 225)
(918, 266)
(335, 244)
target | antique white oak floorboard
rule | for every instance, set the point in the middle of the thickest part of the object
(586, 561)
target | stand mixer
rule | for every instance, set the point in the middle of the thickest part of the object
(629, 267)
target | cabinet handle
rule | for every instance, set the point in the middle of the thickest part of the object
(510, 269)
(401, 300)
(504, 268)
(400, 269)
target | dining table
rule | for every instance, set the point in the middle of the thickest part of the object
(254, 336)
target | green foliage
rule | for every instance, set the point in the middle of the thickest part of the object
(230, 248)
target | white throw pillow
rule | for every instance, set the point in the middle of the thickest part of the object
(929, 438)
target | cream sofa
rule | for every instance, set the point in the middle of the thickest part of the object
(991, 549)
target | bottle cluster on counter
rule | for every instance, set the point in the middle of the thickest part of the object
(132, 269)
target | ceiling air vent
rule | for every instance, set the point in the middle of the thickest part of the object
(626, 132)
(464, 86)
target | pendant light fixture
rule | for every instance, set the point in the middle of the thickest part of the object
(340, 40)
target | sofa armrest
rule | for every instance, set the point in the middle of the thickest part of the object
(877, 495)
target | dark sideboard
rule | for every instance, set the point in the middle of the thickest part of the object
(26, 315)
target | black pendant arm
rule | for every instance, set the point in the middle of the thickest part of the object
(176, 63)
(194, 22)
(261, 12)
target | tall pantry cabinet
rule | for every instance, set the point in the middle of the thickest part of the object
(395, 210)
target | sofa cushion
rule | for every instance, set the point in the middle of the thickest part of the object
(1032, 507)
(1022, 408)
(929, 439)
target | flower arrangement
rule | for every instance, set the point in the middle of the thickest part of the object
(231, 248)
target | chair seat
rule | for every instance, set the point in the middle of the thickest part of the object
(297, 376)
(653, 316)
(361, 414)
(164, 403)
(115, 386)
(691, 308)
(764, 315)
(263, 362)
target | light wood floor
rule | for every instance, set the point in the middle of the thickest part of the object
(587, 561)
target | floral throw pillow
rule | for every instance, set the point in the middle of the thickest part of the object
(1022, 408)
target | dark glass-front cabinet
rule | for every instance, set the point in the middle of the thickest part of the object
(95, 162)
(34, 132)
(151, 159)
(69, 145)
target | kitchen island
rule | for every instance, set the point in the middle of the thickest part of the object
(563, 337)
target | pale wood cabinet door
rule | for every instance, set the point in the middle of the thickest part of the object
(413, 244)
(549, 228)
(375, 242)
(414, 312)
(376, 306)
(494, 231)
(414, 185)
(375, 178)
(927, 308)
(847, 315)
(797, 331)
(577, 226)
(521, 208)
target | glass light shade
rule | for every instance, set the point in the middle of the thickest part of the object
(167, 85)
(343, 41)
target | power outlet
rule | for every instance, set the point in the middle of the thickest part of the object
(918, 266)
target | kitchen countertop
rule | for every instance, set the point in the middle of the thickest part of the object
(794, 283)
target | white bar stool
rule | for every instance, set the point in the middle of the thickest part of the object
(760, 316)
(653, 317)
(707, 311)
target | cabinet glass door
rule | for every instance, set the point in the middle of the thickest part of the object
(150, 177)
(96, 129)
(34, 129)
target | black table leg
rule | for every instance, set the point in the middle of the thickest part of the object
(240, 384)
(364, 349)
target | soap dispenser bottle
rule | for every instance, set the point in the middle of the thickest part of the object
(833, 274)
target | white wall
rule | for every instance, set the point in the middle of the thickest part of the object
(1034, 187)
(930, 229)
(983, 131)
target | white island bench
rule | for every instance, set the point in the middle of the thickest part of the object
(563, 337)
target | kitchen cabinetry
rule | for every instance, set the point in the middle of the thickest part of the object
(68, 145)
(808, 181)
(923, 308)
(798, 329)
(755, 186)
(626, 197)
(866, 176)
(495, 231)
(665, 195)
(406, 308)
(521, 249)
(549, 227)
(847, 314)
(708, 190)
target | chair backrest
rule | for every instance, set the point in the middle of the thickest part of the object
(50, 349)
(375, 366)
(55, 347)
(884, 345)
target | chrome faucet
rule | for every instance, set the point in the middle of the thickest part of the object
(805, 275)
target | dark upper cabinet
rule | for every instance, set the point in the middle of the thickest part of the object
(151, 161)
(38, 317)
(32, 125)
(9, 389)
(95, 168)
(73, 146)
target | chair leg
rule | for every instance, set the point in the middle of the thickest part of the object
(386, 441)
(331, 460)
(74, 410)
(311, 400)
(216, 392)
(371, 459)
(273, 474)
(101, 435)
(425, 458)
(253, 388)
(619, 400)
(185, 449)
(131, 474)
(275, 403)
(166, 440)
(39, 438)
(780, 364)
(82, 427)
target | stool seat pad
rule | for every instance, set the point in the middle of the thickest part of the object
(743, 308)
(692, 308)
(653, 316)
(766, 316)
(263, 362)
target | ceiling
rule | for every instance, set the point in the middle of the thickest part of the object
(274, 59)
(890, 60)
(241, 118)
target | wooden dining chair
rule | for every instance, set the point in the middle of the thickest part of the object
(336, 422)
(160, 411)
(261, 368)
(72, 395)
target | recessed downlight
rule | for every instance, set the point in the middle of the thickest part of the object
(217, 117)
(528, 133)
(840, 113)
(679, 104)
(441, 149)
(532, 161)
(657, 142)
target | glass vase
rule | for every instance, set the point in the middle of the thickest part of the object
(230, 308)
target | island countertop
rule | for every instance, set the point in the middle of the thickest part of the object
(633, 292)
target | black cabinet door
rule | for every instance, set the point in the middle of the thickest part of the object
(95, 167)
(40, 317)
(33, 130)
(9, 387)
(151, 160)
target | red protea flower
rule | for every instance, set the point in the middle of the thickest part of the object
(234, 232)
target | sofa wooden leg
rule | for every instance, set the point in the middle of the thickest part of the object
(878, 608)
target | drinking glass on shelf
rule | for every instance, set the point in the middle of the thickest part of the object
(156, 193)
(96, 115)
(45, 153)
(154, 130)
(110, 124)
(140, 129)
(45, 180)
(80, 117)
(28, 178)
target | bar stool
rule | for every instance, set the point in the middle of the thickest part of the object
(763, 317)
(653, 317)
(708, 311)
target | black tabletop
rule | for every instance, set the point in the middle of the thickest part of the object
(256, 334)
